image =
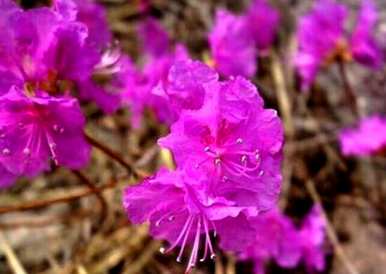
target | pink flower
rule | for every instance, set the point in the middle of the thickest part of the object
(322, 39)
(217, 138)
(34, 130)
(184, 209)
(225, 176)
(312, 237)
(262, 22)
(143, 87)
(185, 85)
(276, 237)
(362, 141)
(365, 49)
(155, 40)
(233, 49)
(319, 34)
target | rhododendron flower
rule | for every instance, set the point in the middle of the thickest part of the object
(225, 176)
(312, 236)
(93, 15)
(43, 49)
(262, 22)
(139, 84)
(185, 85)
(185, 209)
(153, 37)
(276, 237)
(322, 39)
(90, 13)
(35, 129)
(369, 138)
(233, 49)
(218, 139)
(364, 47)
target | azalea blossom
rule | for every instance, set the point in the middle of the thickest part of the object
(35, 130)
(232, 48)
(192, 214)
(217, 138)
(323, 39)
(362, 141)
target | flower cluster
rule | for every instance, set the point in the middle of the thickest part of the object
(47, 54)
(278, 239)
(369, 138)
(322, 39)
(227, 148)
(235, 40)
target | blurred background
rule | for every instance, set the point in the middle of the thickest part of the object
(79, 232)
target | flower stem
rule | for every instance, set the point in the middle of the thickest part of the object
(350, 94)
(98, 194)
(109, 152)
(24, 206)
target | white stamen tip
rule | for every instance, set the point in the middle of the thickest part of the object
(212, 256)
(162, 250)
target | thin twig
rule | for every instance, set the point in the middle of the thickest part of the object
(282, 96)
(12, 259)
(109, 152)
(349, 91)
(98, 194)
(43, 203)
(339, 251)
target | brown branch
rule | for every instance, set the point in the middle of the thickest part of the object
(330, 230)
(349, 91)
(98, 194)
(109, 152)
(29, 205)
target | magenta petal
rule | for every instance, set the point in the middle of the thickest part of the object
(362, 141)
(233, 50)
(364, 47)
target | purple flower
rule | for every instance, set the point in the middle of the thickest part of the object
(35, 129)
(93, 15)
(233, 49)
(312, 237)
(364, 47)
(225, 176)
(142, 87)
(322, 39)
(90, 13)
(262, 22)
(217, 138)
(184, 209)
(154, 39)
(320, 34)
(275, 238)
(363, 141)
(185, 85)
(47, 49)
